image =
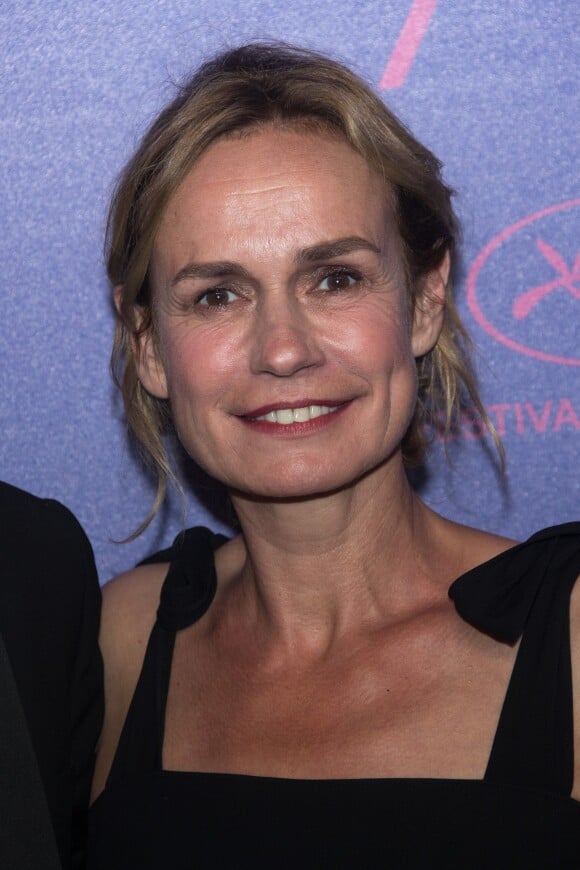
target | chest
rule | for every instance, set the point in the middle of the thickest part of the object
(400, 704)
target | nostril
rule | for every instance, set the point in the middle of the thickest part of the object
(284, 344)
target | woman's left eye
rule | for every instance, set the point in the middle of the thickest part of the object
(338, 281)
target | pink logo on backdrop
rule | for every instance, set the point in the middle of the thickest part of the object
(512, 305)
(569, 279)
(407, 45)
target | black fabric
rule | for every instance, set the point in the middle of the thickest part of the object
(520, 815)
(49, 620)
(186, 594)
(191, 585)
(28, 839)
(534, 742)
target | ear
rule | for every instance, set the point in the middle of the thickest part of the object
(430, 309)
(150, 370)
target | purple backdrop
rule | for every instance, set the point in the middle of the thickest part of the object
(492, 88)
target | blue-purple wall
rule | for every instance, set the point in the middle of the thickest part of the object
(492, 87)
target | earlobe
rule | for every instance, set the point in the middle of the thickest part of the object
(148, 364)
(430, 309)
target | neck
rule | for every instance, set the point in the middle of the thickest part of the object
(319, 567)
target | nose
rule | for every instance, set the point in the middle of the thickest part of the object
(284, 339)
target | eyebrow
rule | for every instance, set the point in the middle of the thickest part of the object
(335, 248)
(209, 270)
(314, 254)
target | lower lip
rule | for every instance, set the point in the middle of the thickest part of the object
(293, 429)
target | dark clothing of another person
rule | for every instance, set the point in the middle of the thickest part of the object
(520, 815)
(51, 692)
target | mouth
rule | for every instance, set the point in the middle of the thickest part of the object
(293, 413)
(287, 416)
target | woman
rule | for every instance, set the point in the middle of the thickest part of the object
(311, 695)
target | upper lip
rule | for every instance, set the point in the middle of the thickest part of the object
(299, 403)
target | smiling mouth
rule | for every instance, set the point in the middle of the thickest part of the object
(288, 416)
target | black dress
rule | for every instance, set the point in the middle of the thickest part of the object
(520, 815)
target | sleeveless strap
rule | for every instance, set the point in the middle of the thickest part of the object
(186, 594)
(525, 593)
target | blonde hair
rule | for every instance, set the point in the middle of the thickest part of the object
(259, 84)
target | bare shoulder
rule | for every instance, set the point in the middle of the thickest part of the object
(129, 606)
(130, 603)
(464, 547)
(128, 614)
(481, 546)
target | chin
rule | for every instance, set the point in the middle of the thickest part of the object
(293, 487)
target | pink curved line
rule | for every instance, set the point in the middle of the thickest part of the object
(528, 300)
(552, 256)
(472, 283)
(408, 43)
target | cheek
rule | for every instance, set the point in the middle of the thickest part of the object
(377, 340)
(198, 363)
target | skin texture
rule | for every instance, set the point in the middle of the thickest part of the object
(283, 335)
(331, 649)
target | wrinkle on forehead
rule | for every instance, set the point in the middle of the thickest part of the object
(272, 191)
(268, 144)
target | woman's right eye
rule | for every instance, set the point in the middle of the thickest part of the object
(218, 297)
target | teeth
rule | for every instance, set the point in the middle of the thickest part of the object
(286, 416)
(301, 415)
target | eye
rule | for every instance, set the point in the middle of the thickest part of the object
(217, 297)
(339, 280)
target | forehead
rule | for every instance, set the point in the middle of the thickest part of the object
(273, 187)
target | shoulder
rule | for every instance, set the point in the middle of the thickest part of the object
(23, 511)
(128, 614)
(567, 552)
(459, 548)
(129, 608)
(130, 601)
(49, 620)
(557, 550)
(48, 578)
(555, 545)
(49, 590)
(479, 546)
(564, 542)
(42, 538)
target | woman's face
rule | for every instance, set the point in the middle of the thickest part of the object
(283, 337)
